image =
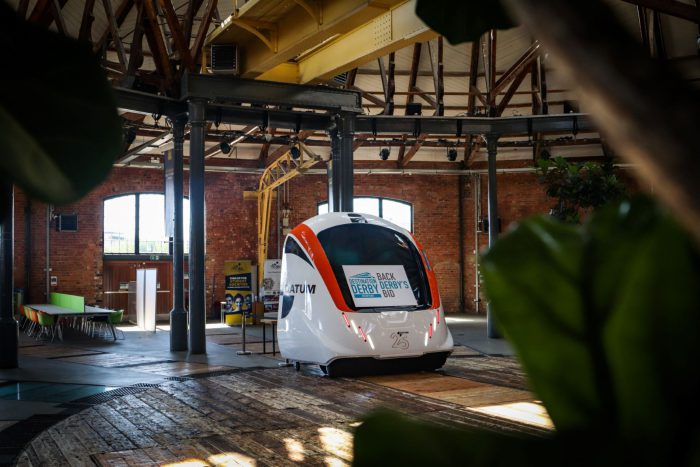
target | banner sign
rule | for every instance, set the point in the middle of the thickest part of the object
(378, 286)
(239, 285)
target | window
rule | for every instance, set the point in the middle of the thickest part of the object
(367, 244)
(135, 225)
(398, 212)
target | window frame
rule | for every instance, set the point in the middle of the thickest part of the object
(381, 206)
(136, 255)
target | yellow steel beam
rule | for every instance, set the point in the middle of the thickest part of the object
(393, 30)
(299, 26)
(279, 172)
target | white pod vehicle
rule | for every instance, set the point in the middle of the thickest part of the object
(359, 297)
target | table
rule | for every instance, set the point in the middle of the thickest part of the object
(59, 311)
(273, 323)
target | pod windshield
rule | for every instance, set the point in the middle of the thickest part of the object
(380, 265)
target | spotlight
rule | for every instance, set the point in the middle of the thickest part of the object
(452, 154)
(384, 153)
(225, 147)
(295, 153)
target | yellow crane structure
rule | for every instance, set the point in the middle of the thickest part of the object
(297, 160)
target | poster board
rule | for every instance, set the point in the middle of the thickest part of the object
(270, 289)
(379, 286)
(239, 290)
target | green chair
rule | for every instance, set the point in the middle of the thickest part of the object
(113, 319)
(48, 325)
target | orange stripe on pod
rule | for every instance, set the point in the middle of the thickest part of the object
(432, 280)
(313, 248)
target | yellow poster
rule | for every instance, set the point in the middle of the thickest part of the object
(239, 289)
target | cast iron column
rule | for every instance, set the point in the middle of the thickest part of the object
(333, 168)
(343, 172)
(492, 147)
(9, 330)
(197, 111)
(178, 315)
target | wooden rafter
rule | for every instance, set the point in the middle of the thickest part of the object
(136, 51)
(85, 33)
(542, 76)
(388, 83)
(157, 44)
(114, 32)
(352, 74)
(402, 150)
(436, 66)
(413, 74)
(490, 67)
(193, 7)
(514, 85)
(523, 62)
(383, 78)
(659, 45)
(643, 26)
(670, 7)
(265, 148)
(181, 44)
(359, 141)
(120, 15)
(473, 75)
(58, 16)
(196, 50)
(369, 97)
(426, 96)
(389, 109)
(22, 8)
(414, 149)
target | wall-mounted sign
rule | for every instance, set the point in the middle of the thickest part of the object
(378, 286)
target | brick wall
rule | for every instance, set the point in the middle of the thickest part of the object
(76, 257)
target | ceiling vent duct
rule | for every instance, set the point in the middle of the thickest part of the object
(341, 79)
(224, 58)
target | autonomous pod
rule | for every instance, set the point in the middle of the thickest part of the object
(359, 297)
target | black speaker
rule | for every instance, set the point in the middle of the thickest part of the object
(224, 58)
(571, 107)
(67, 223)
(414, 108)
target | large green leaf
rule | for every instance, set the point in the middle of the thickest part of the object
(59, 128)
(605, 320)
(463, 20)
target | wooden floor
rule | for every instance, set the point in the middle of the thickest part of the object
(277, 416)
(205, 414)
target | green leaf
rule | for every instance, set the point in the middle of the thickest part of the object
(59, 128)
(389, 438)
(605, 320)
(463, 20)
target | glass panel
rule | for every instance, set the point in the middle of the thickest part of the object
(366, 244)
(366, 206)
(152, 239)
(119, 225)
(397, 212)
(323, 208)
